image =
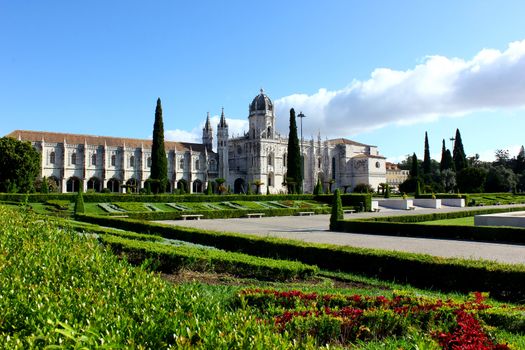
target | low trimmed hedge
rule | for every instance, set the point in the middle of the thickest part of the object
(503, 281)
(217, 214)
(167, 258)
(408, 226)
(348, 199)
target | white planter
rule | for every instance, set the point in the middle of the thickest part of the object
(375, 205)
(453, 202)
(403, 204)
(428, 203)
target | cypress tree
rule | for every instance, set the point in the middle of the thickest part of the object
(387, 191)
(414, 172)
(446, 159)
(209, 189)
(427, 169)
(318, 188)
(45, 185)
(458, 155)
(79, 204)
(294, 156)
(159, 163)
(442, 164)
(337, 210)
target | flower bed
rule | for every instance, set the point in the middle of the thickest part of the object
(341, 319)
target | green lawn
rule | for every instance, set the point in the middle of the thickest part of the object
(466, 221)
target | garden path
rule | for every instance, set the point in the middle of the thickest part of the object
(315, 229)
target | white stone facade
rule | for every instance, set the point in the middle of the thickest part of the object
(117, 164)
(259, 156)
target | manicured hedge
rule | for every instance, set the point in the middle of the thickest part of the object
(348, 199)
(218, 214)
(501, 280)
(408, 226)
(168, 258)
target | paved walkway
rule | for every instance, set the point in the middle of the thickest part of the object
(315, 229)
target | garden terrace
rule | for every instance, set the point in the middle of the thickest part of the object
(449, 274)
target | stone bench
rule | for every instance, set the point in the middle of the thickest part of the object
(191, 217)
(305, 213)
(348, 211)
(254, 215)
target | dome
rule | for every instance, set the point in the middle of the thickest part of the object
(261, 102)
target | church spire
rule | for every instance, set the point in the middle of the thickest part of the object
(223, 123)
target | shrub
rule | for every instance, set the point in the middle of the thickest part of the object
(168, 258)
(79, 204)
(337, 210)
(363, 188)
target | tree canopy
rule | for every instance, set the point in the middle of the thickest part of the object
(19, 165)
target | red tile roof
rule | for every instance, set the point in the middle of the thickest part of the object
(75, 139)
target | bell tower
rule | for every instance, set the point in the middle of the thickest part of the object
(261, 117)
(207, 134)
(222, 147)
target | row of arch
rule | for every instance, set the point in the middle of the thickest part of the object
(115, 185)
(131, 161)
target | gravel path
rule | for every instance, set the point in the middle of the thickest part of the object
(315, 229)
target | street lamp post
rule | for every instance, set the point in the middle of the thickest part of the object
(301, 116)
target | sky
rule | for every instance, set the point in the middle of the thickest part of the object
(377, 72)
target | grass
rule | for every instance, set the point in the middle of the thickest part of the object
(466, 221)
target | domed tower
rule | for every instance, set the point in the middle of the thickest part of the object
(207, 134)
(222, 147)
(261, 118)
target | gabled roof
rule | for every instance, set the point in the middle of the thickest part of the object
(75, 139)
(347, 142)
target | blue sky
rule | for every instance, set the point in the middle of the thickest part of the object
(377, 72)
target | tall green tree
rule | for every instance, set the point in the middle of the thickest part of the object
(19, 165)
(294, 157)
(519, 164)
(414, 171)
(159, 163)
(427, 165)
(458, 154)
(446, 159)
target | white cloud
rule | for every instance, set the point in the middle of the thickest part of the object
(438, 87)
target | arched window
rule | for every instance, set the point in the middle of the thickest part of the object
(94, 159)
(197, 164)
(181, 164)
(52, 158)
(213, 165)
(270, 159)
(319, 162)
(132, 161)
(269, 132)
(285, 159)
(149, 162)
(74, 158)
(113, 160)
(333, 168)
(270, 179)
